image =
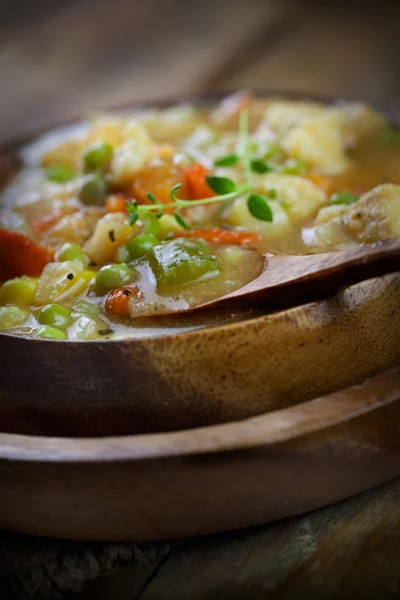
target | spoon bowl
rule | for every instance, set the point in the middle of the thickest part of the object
(287, 280)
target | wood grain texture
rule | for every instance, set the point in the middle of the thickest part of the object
(349, 550)
(213, 479)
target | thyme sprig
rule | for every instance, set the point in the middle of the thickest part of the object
(224, 188)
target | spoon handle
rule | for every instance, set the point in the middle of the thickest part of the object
(290, 279)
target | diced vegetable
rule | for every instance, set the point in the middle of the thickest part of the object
(181, 261)
(116, 203)
(141, 245)
(85, 328)
(195, 179)
(85, 308)
(50, 333)
(98, 156)
(216, 235)
(111, 231)
(19, 255)
(93, 191)
(20, 291)
(71, 251)
(157, 180)
(62, 281)
(11, 316)
(113, 276)
(118, 301)
(54, 315)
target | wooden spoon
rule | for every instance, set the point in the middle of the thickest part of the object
(287, 280)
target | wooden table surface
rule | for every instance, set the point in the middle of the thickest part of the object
(63, 59)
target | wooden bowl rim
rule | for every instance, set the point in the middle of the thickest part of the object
(196, 99)
(264, 431)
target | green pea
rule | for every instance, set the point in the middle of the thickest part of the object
(98, 156)
(112, 276)
(93, 191)
(141, 245)
(151, 224)
(10, 316)
(54, 315)
(70, 251)
(60, 173)
(20, 291)
(50, 333)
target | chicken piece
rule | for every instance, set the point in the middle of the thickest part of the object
(376, 216)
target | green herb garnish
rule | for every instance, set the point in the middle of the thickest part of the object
(181, 221)
(344, 198)
(230, 160)
(259, 207)
(261, 167)
(224, 188)
(221, 185)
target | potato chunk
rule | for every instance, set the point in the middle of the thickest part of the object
(321, 134)
(300, 197)
(240, 216)
(111, 231)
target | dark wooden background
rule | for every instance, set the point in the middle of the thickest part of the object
(62, 59)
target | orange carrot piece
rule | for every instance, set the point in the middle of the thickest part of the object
(116, 203)
(196, 183)
(118, 301)
(19, 255)
(215, 235)
(322, 181)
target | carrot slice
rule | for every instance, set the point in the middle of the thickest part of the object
(215, 235)
(118, 301)
(19, 255)
(195, 179)
(116, 203)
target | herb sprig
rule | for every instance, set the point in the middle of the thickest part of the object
(224, 188)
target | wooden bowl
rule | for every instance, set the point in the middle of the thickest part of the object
(202, 481)
(203, 377)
